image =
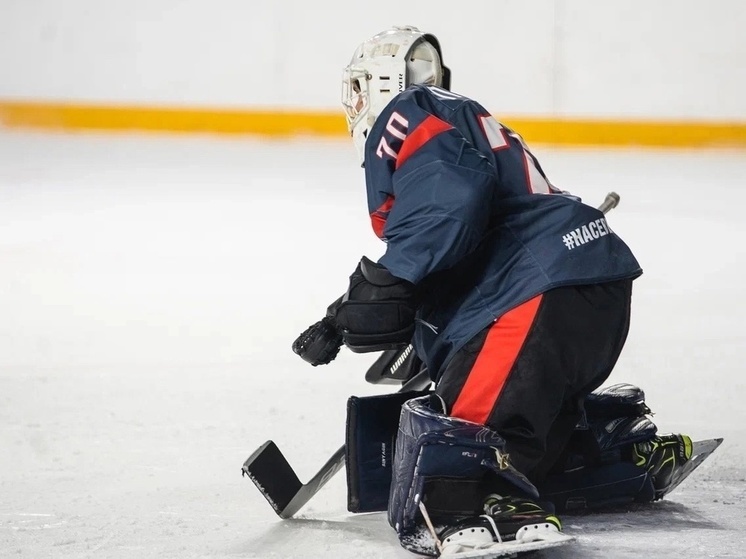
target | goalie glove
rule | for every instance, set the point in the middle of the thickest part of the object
(319, 343)
(378, 310)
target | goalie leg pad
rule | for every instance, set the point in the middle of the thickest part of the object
(597, 487)
(617, 416)
(624, 431)
(617, 400)
(614, 418)
(372, 422)
(599, 471)
(432, 448)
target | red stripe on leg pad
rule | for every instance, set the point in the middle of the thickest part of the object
(490, 372)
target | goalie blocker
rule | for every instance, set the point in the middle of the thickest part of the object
(604, 464)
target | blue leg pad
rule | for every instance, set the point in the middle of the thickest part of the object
(597, 487)
(431, 446)
(372, 423)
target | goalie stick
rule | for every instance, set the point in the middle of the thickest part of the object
(273, 475)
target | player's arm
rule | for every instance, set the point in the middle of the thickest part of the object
(440, 204)
(443, 192)
(440, 197)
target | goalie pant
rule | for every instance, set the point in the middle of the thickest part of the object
(526, 375)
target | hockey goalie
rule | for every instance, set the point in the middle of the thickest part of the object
(515, 296)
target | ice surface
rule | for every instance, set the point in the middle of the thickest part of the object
(151, 286)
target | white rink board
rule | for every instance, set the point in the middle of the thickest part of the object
(669, 59)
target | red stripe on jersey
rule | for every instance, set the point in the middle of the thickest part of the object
(490, 372)
(378, 217)
(426, 131)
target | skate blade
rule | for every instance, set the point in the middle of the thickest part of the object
(512, 548)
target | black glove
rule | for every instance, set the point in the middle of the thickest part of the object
(319, 343)
(378, 310)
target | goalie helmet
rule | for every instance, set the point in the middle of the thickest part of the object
(381, 68)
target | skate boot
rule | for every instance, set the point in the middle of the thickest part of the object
(663, 457)
(506, 522)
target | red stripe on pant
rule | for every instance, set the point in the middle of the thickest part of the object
(494, 362)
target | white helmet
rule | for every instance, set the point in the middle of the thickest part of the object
(381, 68)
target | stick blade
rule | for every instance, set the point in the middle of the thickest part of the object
(272, 474)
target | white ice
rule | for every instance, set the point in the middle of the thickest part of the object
(151, 286)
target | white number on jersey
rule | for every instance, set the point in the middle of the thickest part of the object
(498, 137)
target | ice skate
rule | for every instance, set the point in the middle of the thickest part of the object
(509, 525)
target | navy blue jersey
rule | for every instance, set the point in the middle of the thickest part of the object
(469, 217)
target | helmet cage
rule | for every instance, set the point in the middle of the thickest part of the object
(355, 94)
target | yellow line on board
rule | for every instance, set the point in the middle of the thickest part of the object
(63, 116)
(588, 132)
(649, 133)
